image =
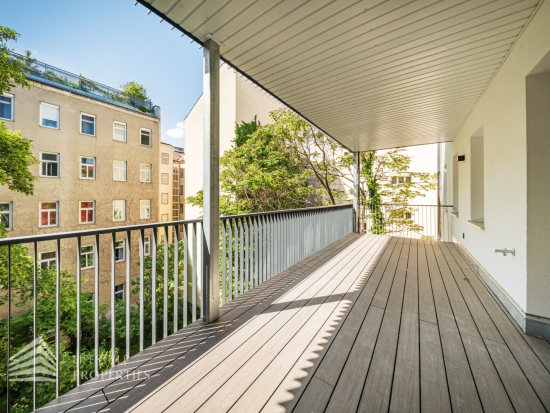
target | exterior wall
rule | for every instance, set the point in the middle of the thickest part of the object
(501, 113)
(165, 210)
(69, 189)
(239, 101)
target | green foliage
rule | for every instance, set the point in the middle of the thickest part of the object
(11, 71)
(244, 130)
(15, 159)
(136, 94)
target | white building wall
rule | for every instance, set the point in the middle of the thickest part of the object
(501, 113)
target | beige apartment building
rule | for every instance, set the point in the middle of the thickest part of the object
(98, 167)
(172, 184)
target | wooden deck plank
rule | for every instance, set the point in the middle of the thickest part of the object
(530, 364)
(426, 306)
(433, 380)
(405, 395)
(281, 352)
(462, 389)
(489, 386)
(262, 327)
(377, 390)
(290, 390)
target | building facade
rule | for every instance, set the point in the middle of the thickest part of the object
(172, 184)
(98, 167)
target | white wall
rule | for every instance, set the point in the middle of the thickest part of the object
(501, 112)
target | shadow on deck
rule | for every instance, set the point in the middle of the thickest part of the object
(370, 323)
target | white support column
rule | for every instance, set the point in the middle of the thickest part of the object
(211, 172)
(356, 192)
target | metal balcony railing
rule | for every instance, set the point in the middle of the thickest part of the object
(44, 73)
(409, 221)
(95, 325)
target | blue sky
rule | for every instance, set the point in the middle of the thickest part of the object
(112, 42)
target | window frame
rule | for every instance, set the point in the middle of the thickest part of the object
(42, 104)
(116, 122)
(123, 210)
(80, 209)
(164, 220)
(141, 130)
(147, 245)
(162, 176)
(150, 171)
(83, 164)
(40, 210)
(48, 260)
(82, 120)
(150, 208)
(10, 215)
(120, 245)
(86, 254)
(118, 169)
(58, 155)
(162, 156)
(163, 196)
(120, 289)
(12, 112)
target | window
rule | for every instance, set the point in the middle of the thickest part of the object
(181, 208)
(87, 212)
(87, 257)
(147, 246)
(87, 124)
(165, 179)
(400, 180)
(164, 218)
(120, 247)
(145, 137)
(181, 173)
(119, 131)
(6, 215)
(477, 176)
(164, 198)
(48, 214)
(49, 115)
(145, 172)
(181, 189)
(6, 107)
(87, 168)
(47, 259)
(119, 292)
(145, 209)
(165, 158)
(119, 170)
(119, 210)
(49, 165)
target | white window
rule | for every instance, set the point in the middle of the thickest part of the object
(49, 115)
(145, 172)
(87, 257)
(120, 247)
(145, 137)
(119, 170)
(87, 212)
(49, 216)
(165, 158)
(87, 167)
(145, 209)
(87, 124)
(400, 179)
(165, 179)
(119, 292)
(119, 210)
(49, 164)
(164, 218)
(163, 198)
(119, 131)
(6, 215)
(146, 245)
(47, 259)
(6, 106)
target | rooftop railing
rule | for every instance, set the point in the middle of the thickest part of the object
(44, 73)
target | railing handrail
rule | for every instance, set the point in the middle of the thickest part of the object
(413, 205)
(286, 211)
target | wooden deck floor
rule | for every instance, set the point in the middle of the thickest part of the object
(369, 324)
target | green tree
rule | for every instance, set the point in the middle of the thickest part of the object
(244, 130)
(11, 70)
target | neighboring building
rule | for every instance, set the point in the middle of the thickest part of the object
(98, 168)
(239, 101)
(172, 185)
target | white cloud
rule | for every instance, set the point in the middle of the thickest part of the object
(178, 132)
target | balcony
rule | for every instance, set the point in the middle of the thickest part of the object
(313, 318)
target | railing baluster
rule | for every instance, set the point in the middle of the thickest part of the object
(141, 286)
(185, 271)
(246, 246)
(57, 315)
(78, 305)
(241, 256)
(165, 285)
(128, 257)
(194, 279)
(34, 326)
(236, 254)
(8, 350)
(224, 264)
(113, 300)
(96, 304)
(230, 260)
(176, 276)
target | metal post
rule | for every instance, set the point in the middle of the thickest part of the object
(439, 191)
(211, 172)
(357, 192)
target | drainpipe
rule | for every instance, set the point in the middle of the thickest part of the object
(211, 173)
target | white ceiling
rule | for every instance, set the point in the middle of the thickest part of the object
(372, 74)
